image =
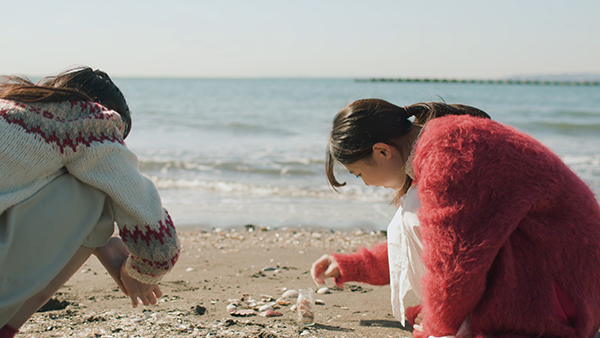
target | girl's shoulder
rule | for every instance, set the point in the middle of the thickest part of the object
(460, 131)
(460, 124)
(66, 124)
(457, 145)
(61, 111)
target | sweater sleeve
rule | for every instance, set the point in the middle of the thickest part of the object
(469, 180)
(145, 227)
(365, 266)
(411, 313)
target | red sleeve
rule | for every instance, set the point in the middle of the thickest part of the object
(473, 195)
(411, 313)
(365, 266)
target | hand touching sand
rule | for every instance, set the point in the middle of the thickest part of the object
(147, 293)
(113, 257)
(324, 267)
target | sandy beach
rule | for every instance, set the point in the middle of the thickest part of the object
(220, 267)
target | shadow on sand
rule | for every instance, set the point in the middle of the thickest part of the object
(332, 328)
(387, 323)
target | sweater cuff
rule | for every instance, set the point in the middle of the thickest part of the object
(144, 278)
(411, 313)
(349, 267)
(364, 266)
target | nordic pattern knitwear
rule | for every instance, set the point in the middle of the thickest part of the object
(40, 141)
(503, 220)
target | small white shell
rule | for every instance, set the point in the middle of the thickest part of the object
(282, 301)
(231, 308)
(290, 294)
(267, 298)
(323, 290)
(265, 307)
(181, 327)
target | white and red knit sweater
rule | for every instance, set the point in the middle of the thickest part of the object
(41, 141)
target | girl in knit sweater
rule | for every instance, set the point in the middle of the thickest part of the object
(66, 177)
(511, 236)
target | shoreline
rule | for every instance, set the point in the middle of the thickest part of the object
(216, 268)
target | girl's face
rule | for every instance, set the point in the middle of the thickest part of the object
(385, 169)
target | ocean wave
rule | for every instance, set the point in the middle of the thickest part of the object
(255, 128)
(236, 127)
(244, 189)
(569, 126)
(299, 167)
(582, 160)
(577, 113)
(166, 165)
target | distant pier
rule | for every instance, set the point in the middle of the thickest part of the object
(506, 82)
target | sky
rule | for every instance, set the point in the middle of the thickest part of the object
(463, 39)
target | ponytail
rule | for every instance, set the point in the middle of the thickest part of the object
(426, 111)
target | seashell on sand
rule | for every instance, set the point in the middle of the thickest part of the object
(290, 294)
(282, 301)
(323, 290)
(267, 298)
(265, 307)
(243, 312)
(270, 313)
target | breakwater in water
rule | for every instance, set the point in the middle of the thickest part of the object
(506, 81)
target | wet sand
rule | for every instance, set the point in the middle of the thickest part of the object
(217, 268)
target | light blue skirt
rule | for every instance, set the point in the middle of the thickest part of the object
(41, 234)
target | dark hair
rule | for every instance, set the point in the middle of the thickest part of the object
(79, 84)
(363, 123)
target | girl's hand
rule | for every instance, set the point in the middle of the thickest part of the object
(418, 322)
(147, 293)
(463, 332)
(323, 268)
(419, 319)
(111, 256)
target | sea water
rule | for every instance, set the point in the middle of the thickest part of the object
(229, 152)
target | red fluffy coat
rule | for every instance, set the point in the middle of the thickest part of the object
(510, 235)
(503, 220)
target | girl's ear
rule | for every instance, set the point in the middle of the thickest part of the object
(382, 149)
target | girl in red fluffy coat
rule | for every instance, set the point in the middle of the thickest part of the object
(511, 236)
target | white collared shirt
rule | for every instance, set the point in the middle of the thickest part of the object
(404, 252)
